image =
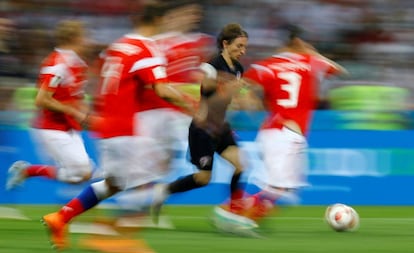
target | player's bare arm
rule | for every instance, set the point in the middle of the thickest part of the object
(44, 99)
(249, 97)
(172, 94)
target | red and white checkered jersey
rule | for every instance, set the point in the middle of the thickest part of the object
(184, 54)
(131, 65)
(63, 73)
(290, 83)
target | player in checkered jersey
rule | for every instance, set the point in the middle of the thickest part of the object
(209, 131)
(61, 111)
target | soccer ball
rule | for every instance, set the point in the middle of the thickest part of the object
(341, 217)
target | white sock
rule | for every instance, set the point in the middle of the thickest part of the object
(135, 199)
(101, 190)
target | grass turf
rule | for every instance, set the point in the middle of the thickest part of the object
(293, 229)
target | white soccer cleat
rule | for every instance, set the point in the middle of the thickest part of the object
(228, 222)
(15, 176)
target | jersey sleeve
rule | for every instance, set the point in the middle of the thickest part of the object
(151, 69)
(51, 76)
(259, 74)
(324, 66)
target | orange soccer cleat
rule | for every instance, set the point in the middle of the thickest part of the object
(57, 230)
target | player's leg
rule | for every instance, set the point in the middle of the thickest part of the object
(46, 141)
(68, 152)
(285, 161)
(56, 223)
(152, 125)
(115, 166)
(229, 150)
(75, 165)
(148, 164)
(201, 149)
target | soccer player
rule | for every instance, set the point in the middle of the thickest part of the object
(130, 65)
(288, 84)
(61, 111)
(209, 131)
(184, 49)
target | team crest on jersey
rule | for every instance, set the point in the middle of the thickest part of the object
(54, 82)
(205, 161)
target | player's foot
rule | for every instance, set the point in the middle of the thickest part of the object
(15, 174)
(114, 244)
(228, 222)
(257, 208)
(241, 220)
(237, 206)
(57, 230)
(159, 196)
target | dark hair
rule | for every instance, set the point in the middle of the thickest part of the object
(294, 31)
(178, 3)
(229, 33)
(286, 33)
(149, 13)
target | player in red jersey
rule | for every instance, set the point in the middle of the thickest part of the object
(184, 51)
(130, 65)
(288, 84)
(60, 99)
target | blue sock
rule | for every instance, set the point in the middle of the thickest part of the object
(88, 198)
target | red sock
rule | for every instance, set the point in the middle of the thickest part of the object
(41, 171)
(237, 202)
(71, 209)
(261, 207)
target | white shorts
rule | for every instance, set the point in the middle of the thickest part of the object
(169, 127)
(66, 150)
(131, 161)
(285, 157)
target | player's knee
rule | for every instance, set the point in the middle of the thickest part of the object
(232, 155)
(202, 177)
(75, 174)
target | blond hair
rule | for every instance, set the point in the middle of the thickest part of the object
(68, 31)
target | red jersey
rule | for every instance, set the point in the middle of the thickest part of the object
(63, 73)
(184, 54)
(130, 66)
(290, 84)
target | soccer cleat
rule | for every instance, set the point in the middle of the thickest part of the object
(15, 174)
(237, 206)
(227, 222)
(258, 208)
(57, 230)
(115, 244)
(159, 196)
(230, 217)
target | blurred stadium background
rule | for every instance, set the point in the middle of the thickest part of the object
(361, 140)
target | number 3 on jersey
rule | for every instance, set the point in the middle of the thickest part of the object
(292, 87)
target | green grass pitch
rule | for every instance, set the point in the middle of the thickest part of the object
(293, 229)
